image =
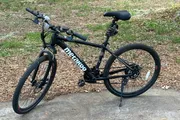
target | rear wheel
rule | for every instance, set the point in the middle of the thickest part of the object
(145, 64)
(34, 84)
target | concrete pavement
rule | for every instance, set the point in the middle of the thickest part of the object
(155, 104)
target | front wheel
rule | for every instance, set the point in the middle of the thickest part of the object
(34, 84)
(145, 68)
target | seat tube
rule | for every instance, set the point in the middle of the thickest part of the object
(102, 52)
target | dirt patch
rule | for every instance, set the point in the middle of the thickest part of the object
(68, 74)
(170, 74)
(65, 81)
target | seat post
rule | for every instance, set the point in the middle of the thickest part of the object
(114, 21)
(108, 35)
(113, 28)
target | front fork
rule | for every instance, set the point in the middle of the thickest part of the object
(51, 57)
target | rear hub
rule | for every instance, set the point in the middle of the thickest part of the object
(135, 72)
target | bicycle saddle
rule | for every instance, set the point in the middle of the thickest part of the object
(119, 15)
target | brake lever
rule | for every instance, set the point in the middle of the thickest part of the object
(63, 29)
(36, 21)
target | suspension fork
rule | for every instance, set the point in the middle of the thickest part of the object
(51, 58)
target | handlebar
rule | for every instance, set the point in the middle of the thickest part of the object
(32, 12)
(36, 13)
(58, 28)
(70, 32)
(80, 36)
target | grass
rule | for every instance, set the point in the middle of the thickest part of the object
(87, 18)
(136, 30)
(152, 23)
(7, 48)
(157, 28)
(98, 27)
(176, 39)
(11, 44)
(28, 44)
(178, 60)
(33, 37)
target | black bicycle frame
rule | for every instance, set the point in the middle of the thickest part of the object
(80, 63)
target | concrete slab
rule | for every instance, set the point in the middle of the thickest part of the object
(153, 105)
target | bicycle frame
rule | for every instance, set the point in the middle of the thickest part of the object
(57, 40)
(130, 69)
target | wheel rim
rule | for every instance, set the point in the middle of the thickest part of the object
(31, 92)
(138, 57)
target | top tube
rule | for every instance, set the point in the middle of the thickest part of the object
(81, 42)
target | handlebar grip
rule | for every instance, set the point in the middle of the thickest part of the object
(31, 11)
(80, 36)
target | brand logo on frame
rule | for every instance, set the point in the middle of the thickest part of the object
(75, 59)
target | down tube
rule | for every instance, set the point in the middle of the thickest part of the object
(81, 64)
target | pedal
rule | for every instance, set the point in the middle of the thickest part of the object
(81, 83)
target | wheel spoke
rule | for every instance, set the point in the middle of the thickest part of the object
(27, 95)
(142, 60)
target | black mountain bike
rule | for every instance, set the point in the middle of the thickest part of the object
(129, 71)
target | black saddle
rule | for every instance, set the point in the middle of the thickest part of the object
(119, 15)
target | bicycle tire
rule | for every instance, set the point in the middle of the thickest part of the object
(123, 50)
(15, 102)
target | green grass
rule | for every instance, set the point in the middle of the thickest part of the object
(7, 48)
(28, 44)
(176, 39)
(178, 60)
(159, 28)
(86, 17)
(11, 44)
(33, 37)
(98, 27)
(16, 5)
